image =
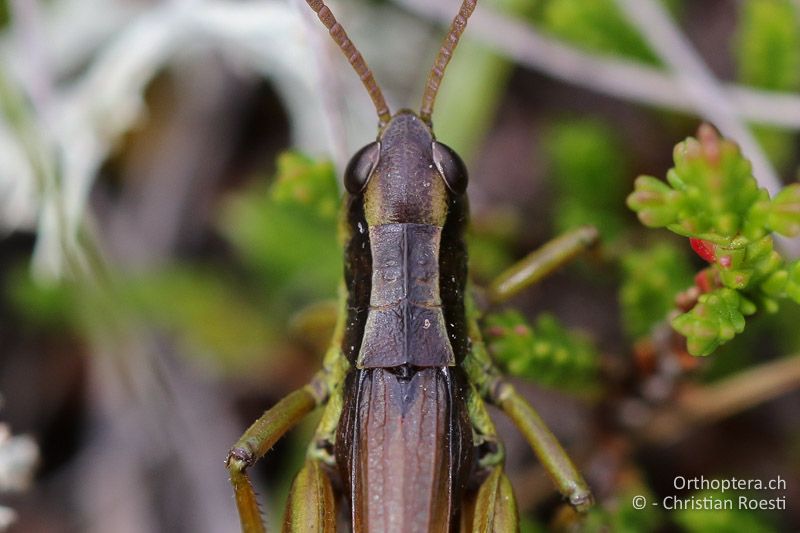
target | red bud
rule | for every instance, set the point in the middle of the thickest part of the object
(703, 248)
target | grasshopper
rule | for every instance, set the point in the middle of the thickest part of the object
(405, 441)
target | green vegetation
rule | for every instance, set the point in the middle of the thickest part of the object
(712, 198)
(596, 25)
(767, 54)
(651, 279)
(546, 352)
(588, 170)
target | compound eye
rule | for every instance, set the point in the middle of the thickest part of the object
(360, 167)
(451, 167)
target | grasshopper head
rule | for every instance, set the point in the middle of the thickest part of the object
(406, 176)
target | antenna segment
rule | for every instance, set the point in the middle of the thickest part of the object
(354, 57)
(443, 58)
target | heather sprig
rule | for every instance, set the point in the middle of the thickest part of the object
(712, 198)
(545, 352)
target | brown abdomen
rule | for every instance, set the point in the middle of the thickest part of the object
(404, 449)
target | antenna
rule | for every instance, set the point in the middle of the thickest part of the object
(354, 57)
(443, 58)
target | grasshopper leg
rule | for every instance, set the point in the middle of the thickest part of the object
(555, 460)
(312, 504)
(526, 272)
(493, 507)
(257, 440)
(541, 262)
(491, 386)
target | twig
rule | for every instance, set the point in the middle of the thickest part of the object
(707, 404)
(27, 29)
(701, 86)
(620, 78)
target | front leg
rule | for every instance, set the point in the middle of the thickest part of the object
(257, 440)
(541, 262)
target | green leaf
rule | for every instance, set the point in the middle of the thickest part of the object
(4, 16)
(205, 312)
(287, 234)
(710, 520)
(48, 305)
(716, 319)
(713, 199)
(651, 280)
(596, 25)
(784, 211)
(768, 44)
(547, 353)
(715, 189)
(654, 202)
(743, 267)
(589, 170)
(793, 281)
(306, 183)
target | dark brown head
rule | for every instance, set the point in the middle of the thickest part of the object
(406, 175)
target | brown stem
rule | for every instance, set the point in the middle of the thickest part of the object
(696, 406)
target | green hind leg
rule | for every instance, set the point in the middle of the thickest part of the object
(489, 385)
(312, 503)
(541, 262)
(492, 508)
(555, 460)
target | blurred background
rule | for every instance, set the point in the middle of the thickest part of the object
(169, 180)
